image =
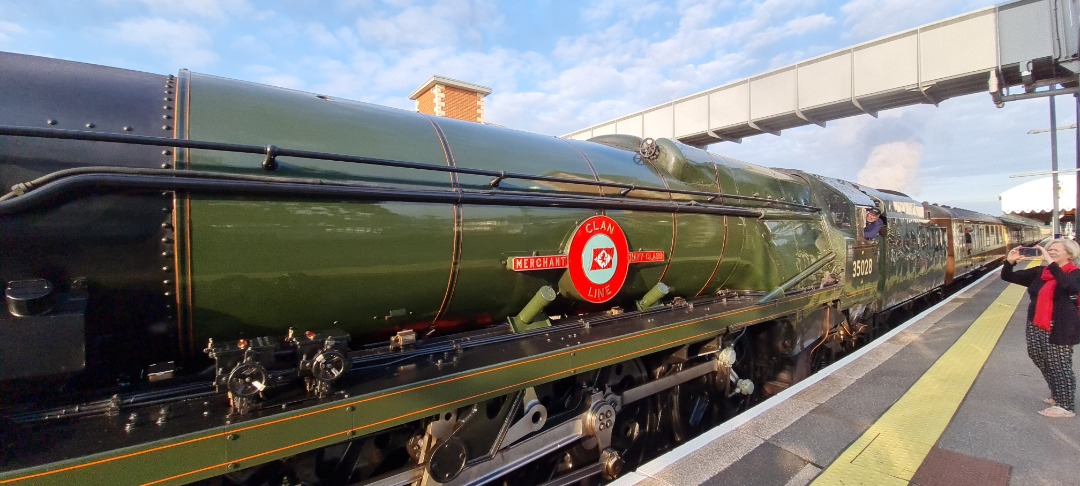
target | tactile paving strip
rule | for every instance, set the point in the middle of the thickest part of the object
(893, 448)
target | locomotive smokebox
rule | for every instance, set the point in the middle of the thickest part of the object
(102, 254)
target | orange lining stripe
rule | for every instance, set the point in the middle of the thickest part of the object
(674, 238)
(588, 162)
(421, 387)
(723, 248)
(190, 311)
(455, 253)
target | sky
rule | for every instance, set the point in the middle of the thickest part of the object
(556, 66)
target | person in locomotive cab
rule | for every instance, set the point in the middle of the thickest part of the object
(1053, 320)
(874, 225)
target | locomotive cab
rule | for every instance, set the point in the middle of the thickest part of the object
(861, 222)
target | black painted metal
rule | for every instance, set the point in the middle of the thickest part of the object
(115, 238)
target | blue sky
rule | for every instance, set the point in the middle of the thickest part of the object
(557, 66)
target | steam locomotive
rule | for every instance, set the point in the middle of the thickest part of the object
(213, 280)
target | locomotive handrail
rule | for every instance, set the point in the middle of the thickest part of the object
(161, 179)
(273, 151)
(791, 282)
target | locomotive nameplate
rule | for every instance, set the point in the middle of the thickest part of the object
(549, 262)
(526, 264)
(646, 256)
(598, 259)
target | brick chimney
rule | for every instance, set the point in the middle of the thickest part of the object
(451, 98)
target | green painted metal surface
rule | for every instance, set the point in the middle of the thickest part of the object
(261, 267)
(258, 267)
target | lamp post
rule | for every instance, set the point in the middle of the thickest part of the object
(1054, 166)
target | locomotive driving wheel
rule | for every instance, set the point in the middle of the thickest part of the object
(690, 408)
(634, 423)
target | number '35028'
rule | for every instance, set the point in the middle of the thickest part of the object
(861, 268)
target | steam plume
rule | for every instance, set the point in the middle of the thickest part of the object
(892, 166)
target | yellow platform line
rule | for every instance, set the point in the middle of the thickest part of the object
(894, 447)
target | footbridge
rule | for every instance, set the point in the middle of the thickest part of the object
(1026, 46)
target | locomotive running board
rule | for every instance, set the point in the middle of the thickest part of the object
(199, 440)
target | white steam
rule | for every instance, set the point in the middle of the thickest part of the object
(892, 166)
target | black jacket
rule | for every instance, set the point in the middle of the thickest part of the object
(1066, 317)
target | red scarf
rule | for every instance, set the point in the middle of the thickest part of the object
(1044, 305)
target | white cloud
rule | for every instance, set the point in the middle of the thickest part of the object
(621, 10)
(272, 76)
(868, 19)
(443, 23)
(213, 9)
(322, 37)
(251, 45)
(808, 23)
(414, 27)
(792, 28)
(184, 43)
(9, 29)
(700, 13)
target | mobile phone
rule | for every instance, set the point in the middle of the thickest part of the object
(1028, 251)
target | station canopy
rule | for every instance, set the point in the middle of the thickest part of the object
(1033, 199)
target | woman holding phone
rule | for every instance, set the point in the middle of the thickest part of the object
(1053, 320)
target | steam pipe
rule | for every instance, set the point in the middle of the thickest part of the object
(524, 320)
(540, 300)
(791, 282)
(653, 296)
(170, 180)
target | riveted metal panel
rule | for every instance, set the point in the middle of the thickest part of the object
(1068, 23)
(630, 126)
(1024, 32)
(658, 123)
(964, 45)
(773, 94)
(888, 64)
(691, 115)
(729, 105)
(608, 129)
(825, 80)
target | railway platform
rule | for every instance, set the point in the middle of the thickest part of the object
(948, 398)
